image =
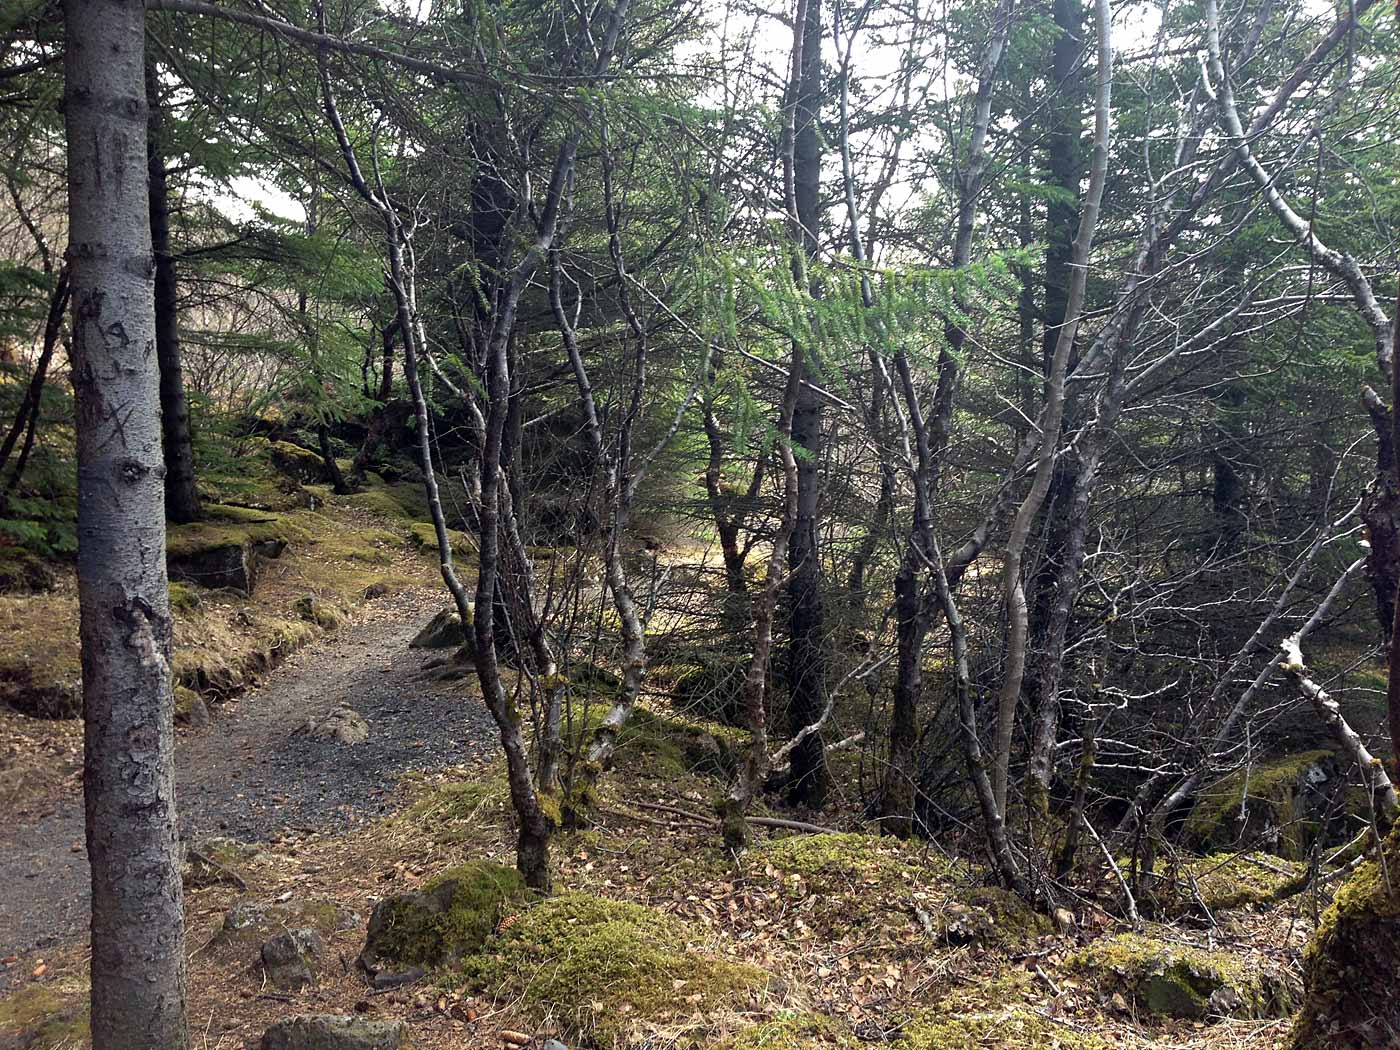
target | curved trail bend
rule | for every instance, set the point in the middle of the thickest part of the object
(249, 776)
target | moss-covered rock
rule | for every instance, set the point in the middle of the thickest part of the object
(293, 461)
(423, 536)
(1226, 880)
(713, 687)
(1352, 963)
(443, 631)
(320, 612)
(837, 862)
(451, 917)
(990, 916)
(1269, 805)
(612, 971)
(1176, 980)
(44, 1017)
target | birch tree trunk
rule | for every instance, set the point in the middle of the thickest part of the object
(138, 940)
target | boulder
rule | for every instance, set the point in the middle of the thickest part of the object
(289, 958)
(450, 918)
(229, 564)
(249, 923)
(443, 631)
(331, 1032)
(344, 725)
(299, 464)
(1274, 805)
(1170, 979)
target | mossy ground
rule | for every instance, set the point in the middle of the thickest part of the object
(612, 971)
(46, 1016)
(224, 641)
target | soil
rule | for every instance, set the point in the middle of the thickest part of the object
(252, 776)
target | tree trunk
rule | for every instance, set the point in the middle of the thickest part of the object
(27, 418)
(181, 495)
(138, 936)
(807, 642)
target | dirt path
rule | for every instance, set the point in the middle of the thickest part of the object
(249, 776)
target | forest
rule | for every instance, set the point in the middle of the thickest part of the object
(661, 524)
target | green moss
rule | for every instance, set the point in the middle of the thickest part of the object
(184, 598)
(835, 862)
(1175, 980)
(611, 970)
(366, 546)
(452, 916)
(300, 464)
(423, 536)
(45, 1017)
(1001, 1029)
(1354, 952)
(1226, 880)
(322, 613)
(792, 1030)
(232, 527)
(1215, 821)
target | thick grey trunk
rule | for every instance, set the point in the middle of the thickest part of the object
(138, 939)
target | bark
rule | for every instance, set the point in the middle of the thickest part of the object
(138, 939)
(1050, 420)
(1379, 787)
(807, 785)
(181, 493)
(27, 418)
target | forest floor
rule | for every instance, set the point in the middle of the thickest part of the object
(805, 941)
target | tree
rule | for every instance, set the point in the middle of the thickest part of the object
(132, 835)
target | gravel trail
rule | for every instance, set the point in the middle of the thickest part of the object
(250, 776)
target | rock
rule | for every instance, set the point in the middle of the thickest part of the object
(226, 565)
(299, 464)
(290, 957)
(321, 613)
(61, 698)
(1170, 979)
(344, 725)
(1272, 805)
(190, 708)
(377, 589)
(450, 918)
(249, 923)
(215, 861)
(443, 631)
(331, 1032)
(990, 916)
(553, 1044)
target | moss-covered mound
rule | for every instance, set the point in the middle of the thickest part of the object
(1004, 1029)
(713, 687)
(837, 862)
(44, 1017)
(1175, 980)
(1352, 964)
(1268, 805)
(992, 917)
(612, 972)
(450, 918)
